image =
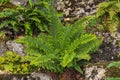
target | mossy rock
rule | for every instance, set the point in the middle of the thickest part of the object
(100, 71)
(113, 72)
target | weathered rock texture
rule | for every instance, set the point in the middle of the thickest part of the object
(15, 47)
(32, 76)
(94, 73)
(3, 48)
(110, 48)
(77, 8)
(100, 71)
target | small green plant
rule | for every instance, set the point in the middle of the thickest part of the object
(114, 64)
(4, 1)
(110, 12)
(112, 79)
(33, 16)
(14, 63)
(63, 47)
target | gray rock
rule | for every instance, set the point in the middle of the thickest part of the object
(19, 2)
(15, 47)
(109, 49)
(41, 76)
(3, 48)
(77, 8)
(94, 73)
(22, 2)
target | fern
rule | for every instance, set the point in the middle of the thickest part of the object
(4, 1)
(37, 15)
(110, 12)
(63, 47)
(114, 64)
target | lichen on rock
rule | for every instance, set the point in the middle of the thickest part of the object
(94, 73)
(15, 47)
(100, 71)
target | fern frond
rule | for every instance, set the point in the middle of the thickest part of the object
(104, 7)
(68, 58)
(114, 64)
(7, 22)
(35, 19)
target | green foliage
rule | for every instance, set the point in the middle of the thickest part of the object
(110, 12)
(112, 79)
(114, 64)
(35, 15)
(63, 47)
(11, 62)
(4, 1)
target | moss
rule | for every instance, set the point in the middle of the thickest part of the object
(113, 72)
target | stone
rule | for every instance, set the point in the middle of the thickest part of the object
(77, 8)
(1, 72)
(15, 47)
(94, 73)
(3, 48)
(19, 2)
(41, 76)
(101, 71)
(108, 50)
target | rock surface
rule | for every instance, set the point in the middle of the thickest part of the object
(77, 8)
(41, 76)
(15, 47)
(3, 48)
(19, 2)
(110, 48)
(32, 76)
(100, 71)
(94, 73)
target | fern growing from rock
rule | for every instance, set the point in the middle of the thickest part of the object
(63, 47)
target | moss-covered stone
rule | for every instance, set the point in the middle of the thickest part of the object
(113, 72)
(100, 71)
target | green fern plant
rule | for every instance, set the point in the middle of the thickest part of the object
(4, 1)
(34, 16)
(63, 47)
(110, 11)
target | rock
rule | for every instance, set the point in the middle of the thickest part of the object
(3, 48)
(94, 73)
(41, 76)
(101, 71)
(77, 8)
(109, 49)
(15, 47)
(19, 2)
(1, 72)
